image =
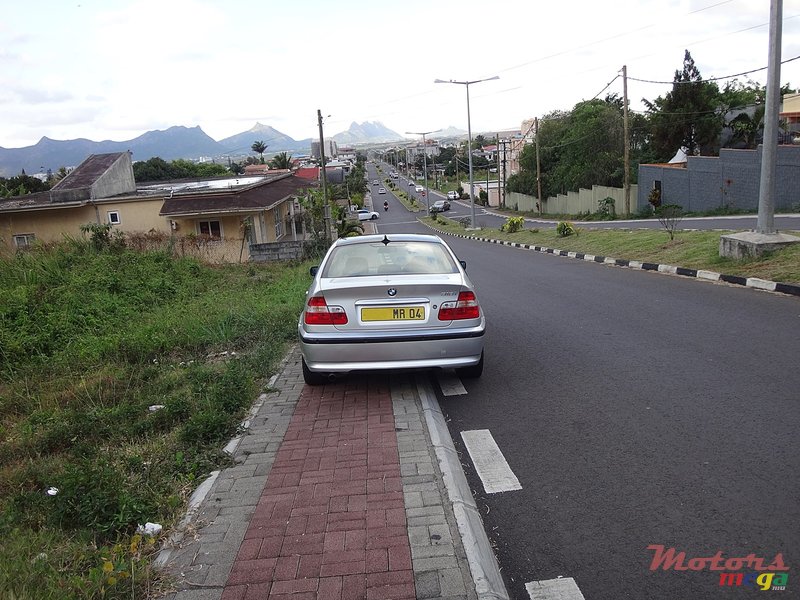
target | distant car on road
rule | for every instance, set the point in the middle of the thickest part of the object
(367, 215)
(381, 190)
(419, 188)
(374, 182)
(452, 195)
(411, 184)
(395, 301)
(440, 206)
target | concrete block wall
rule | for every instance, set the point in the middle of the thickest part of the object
(276, 251)
(732, 179)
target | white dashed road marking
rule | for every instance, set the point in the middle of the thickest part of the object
(489, 462)
(450, 384)
(563, 588)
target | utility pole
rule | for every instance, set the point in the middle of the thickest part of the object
(765, 238)
(627, 142)
(323, 172)
(497, 149)
(425, 164)
(455, 157)
(538, 164)
(504, 171)
(769, 148)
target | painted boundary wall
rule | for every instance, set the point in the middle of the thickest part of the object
(731, 180)
(572, 203)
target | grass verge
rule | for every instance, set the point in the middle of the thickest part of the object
(690, 249)
(122, 375)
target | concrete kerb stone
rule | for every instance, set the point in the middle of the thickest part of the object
(489, 583)
(439, 561)
(201, 563)
(751, 282)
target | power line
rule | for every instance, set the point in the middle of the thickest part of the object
(712, 78)
(605, 88)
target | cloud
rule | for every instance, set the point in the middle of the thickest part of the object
(38, 96)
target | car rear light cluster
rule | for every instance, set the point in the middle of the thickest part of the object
(319, 313)
(466, 307)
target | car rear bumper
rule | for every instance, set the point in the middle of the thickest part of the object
(340, 353)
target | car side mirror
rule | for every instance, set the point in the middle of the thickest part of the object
(463, 264)
(313, 270)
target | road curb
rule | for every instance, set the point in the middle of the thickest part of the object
(482, 561)
(751, 282)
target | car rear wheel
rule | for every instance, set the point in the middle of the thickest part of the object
(312, 378)
(472, 372)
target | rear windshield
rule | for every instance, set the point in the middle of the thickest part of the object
(395, 258)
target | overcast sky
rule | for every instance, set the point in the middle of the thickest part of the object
(114, 69)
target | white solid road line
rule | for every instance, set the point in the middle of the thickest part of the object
(489, 462)
(563, 588)
(450, 384)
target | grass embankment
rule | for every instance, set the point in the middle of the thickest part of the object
(122, 375)
(690, 249)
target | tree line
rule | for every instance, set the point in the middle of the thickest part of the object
(584, 146)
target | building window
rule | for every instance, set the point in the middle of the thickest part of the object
(210, 228)
(24, 240)
(114, 218)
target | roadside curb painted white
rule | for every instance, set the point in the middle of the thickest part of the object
(791, 289)
(482, 561)
(196, 499)
(176, 537)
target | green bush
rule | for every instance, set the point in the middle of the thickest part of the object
(606, 210)
(564, 229)
(99, 496)
(513, 224)
(654, 198)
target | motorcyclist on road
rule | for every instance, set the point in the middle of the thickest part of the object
(386, 205)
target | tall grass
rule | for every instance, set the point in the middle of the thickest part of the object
(90, 340)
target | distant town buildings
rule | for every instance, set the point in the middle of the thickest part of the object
(331, 150)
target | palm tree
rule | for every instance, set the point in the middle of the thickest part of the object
(281, 161)
(747, 129)
(259, 147)
(347, 228)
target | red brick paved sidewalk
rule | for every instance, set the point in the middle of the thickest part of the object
(331, 521)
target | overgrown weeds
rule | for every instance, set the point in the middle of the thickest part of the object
(122, 374)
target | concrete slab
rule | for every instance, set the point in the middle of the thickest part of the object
(750, 244)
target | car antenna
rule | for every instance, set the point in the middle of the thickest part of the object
(385, 240)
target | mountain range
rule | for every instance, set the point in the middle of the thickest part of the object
(177, 142)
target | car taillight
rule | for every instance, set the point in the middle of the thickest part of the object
(466, 307)
(319, 313)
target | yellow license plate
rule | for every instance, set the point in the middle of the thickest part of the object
(394, 313)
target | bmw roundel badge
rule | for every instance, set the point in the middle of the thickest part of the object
(392, 292)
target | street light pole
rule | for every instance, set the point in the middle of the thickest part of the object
(466, 84)
(324, 173)
(424, 163)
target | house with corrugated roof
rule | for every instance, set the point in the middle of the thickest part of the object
(223, 215)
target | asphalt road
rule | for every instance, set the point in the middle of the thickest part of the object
(635, 409)
(490, 218)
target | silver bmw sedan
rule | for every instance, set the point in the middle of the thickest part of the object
(395, 301)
